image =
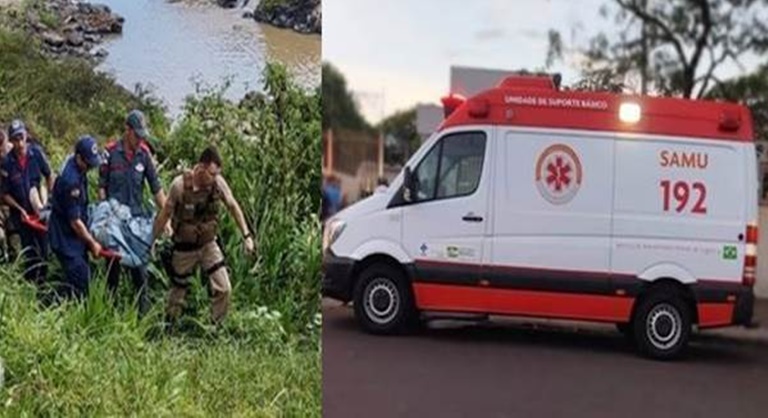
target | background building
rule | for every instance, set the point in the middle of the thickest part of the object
(464, 81)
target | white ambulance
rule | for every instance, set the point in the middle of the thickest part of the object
(532, 201)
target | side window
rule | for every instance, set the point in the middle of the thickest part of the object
(458, 159)
(426, 174)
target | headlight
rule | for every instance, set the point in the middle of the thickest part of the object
(333, 229)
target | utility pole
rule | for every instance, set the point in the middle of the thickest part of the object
(381, 138)
(329, 151)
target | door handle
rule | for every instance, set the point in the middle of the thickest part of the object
(472, 218)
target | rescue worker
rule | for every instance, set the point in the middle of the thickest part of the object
(67, 228)
(5, 245)
(22, 170)
(192, 207)
(127, 167)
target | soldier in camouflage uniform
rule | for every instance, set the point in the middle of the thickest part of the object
(192, 207)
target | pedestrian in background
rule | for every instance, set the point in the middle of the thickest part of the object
(333, 198)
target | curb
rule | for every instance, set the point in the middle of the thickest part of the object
(754, 335)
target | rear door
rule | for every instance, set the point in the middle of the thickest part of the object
(444, 226)
(680, 209)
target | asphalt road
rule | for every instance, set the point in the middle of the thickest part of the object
(508, 369)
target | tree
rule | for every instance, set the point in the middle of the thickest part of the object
(751, 90)
(675, 45)
(402, 127)
(339, 109)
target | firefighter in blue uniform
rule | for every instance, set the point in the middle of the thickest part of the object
(67, 229)
(23, 170)
(128, 166)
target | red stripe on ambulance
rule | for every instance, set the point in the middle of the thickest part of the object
(441, 297)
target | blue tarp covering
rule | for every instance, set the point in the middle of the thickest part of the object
(113, 226)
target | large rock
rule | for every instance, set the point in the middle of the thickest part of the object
(75, 27)
(231, 4)
(103, 23)
(303, 16)
(53, 39)
(100, 53)
(97, 9)
(93, 38)
(74, 38)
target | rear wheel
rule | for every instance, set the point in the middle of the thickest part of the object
(383, 302)
(662, 324)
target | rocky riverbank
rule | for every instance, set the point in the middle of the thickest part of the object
(304, 16)
(68, 28)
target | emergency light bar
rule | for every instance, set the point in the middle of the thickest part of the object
(451, 103)
(629, 112)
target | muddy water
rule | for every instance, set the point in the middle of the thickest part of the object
(171, 47)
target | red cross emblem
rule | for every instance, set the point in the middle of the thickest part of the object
(558, 174)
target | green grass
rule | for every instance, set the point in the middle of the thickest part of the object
(93, 359)
(49, 19)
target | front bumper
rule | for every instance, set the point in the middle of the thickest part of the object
(338, 277)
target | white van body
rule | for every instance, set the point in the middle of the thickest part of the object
(544, 219)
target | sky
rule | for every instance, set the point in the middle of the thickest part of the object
(397, 53)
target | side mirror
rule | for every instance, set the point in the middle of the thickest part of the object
(408, 184)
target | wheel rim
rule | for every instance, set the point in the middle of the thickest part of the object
(664, 326)
(381, 300)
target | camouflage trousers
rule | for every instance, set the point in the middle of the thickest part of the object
(184, 262)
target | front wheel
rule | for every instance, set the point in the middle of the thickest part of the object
(382, 300)
(662, 324)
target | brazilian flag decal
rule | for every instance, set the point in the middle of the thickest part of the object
(729, 252)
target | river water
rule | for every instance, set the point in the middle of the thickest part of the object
(170, 47)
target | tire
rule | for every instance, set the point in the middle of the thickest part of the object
(383, 301)
(662, 324)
